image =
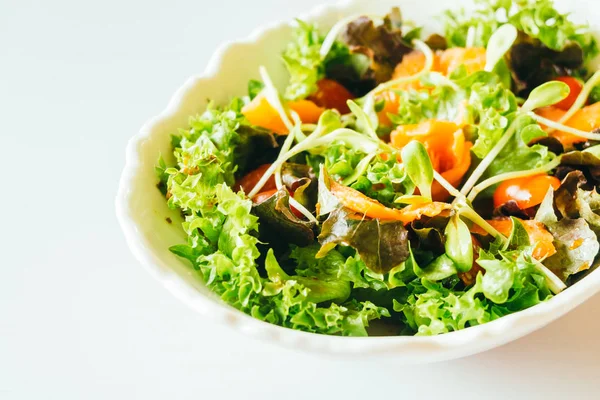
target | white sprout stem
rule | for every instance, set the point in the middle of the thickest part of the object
(489, 158)
(443, 80)
(470, 41)
(582, 98)
(308, 127)
(272, 96)
(554, 283)
(447, 185)
(557, 126)
(429, 56)
(299, 135)
(360, 169)
(284, 149)
(312, 141)
(511, 175)
(367, 107)
(294, 203)
(335, 31)
(465, 210)
(279, 180)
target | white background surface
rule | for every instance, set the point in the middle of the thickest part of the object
(80, 319)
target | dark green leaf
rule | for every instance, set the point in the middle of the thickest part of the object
(304, 63)
(257, 146)
(279, 224)
(382, 245)
(300, 180)
(532, 63)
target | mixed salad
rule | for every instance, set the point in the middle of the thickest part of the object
(421, 184)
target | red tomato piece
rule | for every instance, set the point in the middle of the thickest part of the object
(575, 85)
(331, 94)
(247, 183)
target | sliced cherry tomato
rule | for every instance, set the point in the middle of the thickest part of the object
(527, 192)
(575, 85)
(247, 183)
(331, 94)
(262, 196)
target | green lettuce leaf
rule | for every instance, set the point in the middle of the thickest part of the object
(483, 20)
(540, 20)
(432, 309)
(519, 154)
(222, 244)
(384, 179)
(536, 18)
(303, 60)
(321, 286)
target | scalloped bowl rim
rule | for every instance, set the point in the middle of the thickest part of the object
(408, 349)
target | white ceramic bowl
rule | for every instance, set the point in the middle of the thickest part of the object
(142, 210)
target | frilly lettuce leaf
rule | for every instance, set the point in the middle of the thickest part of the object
(222, 235)
(321, 286)
(383, 180)
(549, 42)
(355, 271)
(433, 309)
(573, 201)
(536, 18)
(483, 20)
(540, 20)
(576, 243)
(383, 45)
(303, 60)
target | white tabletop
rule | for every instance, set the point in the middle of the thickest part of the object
(80, 319)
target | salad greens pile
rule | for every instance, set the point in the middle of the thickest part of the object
(421, 184)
